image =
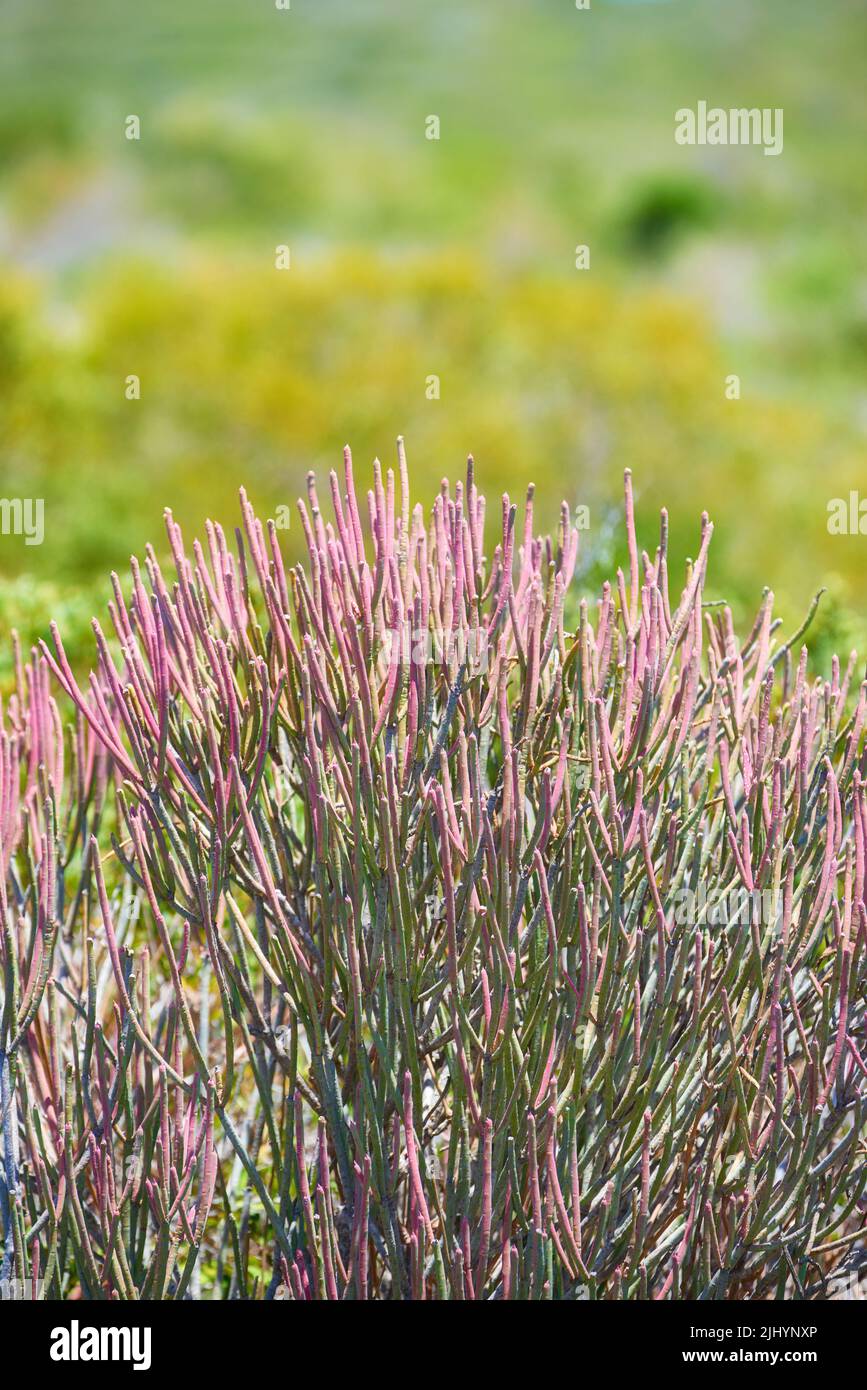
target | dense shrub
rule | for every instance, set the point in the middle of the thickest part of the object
(366, 934)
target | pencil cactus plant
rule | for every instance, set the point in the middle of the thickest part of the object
(367, 933)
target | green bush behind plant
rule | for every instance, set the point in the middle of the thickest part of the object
(249, 375)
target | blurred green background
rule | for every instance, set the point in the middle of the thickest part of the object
(413, 258)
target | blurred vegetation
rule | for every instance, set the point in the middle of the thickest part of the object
(413, 258)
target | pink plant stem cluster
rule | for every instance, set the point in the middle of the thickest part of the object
(340, 966)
